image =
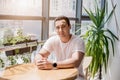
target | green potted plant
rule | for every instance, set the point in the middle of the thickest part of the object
(99, 38)
(10, 39)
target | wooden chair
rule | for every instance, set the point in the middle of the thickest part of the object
(86, 62)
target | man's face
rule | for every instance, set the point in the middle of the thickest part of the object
(62, 28)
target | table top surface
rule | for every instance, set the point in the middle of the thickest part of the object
(30, 72)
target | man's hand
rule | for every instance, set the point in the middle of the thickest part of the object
(42, 63)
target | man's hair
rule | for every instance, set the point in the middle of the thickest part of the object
(63, 18)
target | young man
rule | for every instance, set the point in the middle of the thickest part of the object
(69, 49)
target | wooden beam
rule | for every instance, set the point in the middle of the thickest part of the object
(15, 17)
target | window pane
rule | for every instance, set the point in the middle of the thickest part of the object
(33, 27)
(52, 28)
(85, 26)
(72, 26)
(89, 5)
(62, 7)
(21, 7)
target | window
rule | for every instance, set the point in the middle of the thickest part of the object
(21, 7)
(63, 7)
(25, 14)
(89, 5)
(38, 15)
(85, 26)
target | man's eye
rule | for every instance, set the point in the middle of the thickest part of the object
(57, 27)
(63, 26)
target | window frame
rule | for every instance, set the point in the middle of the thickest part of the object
(45, 17)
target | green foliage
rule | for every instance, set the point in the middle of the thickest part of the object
(12, 60)
(2, 64)
(99, 39)
(17, 51)
(15, 39)
(26, 58)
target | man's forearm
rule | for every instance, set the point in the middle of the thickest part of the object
(74, 61)
(69, 63)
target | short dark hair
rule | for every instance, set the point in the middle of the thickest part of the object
(63, 18)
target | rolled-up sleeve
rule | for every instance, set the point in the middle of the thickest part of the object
(79, 45)
(49, 45)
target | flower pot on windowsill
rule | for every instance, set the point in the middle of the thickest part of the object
(21, 42)
(21, 50)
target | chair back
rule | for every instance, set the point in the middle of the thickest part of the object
(86, 62)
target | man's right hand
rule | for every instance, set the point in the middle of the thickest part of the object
(42, 62)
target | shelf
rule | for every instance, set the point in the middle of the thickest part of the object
(22, 47)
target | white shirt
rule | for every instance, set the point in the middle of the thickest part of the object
(64, 51)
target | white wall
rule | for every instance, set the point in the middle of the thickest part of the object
(113, 72)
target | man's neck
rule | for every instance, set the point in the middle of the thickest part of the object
(66, 39)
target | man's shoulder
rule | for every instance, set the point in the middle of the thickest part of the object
(53, 38)
(78, 38)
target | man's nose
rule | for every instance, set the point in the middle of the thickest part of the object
(60, 29)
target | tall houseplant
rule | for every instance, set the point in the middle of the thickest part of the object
(99, 38)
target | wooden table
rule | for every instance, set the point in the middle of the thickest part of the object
(30, 72)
